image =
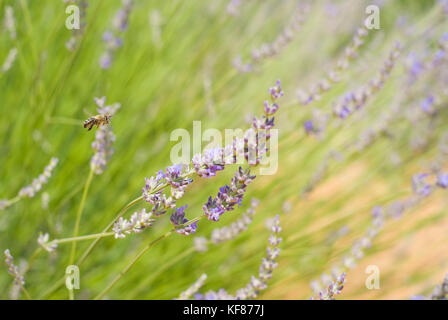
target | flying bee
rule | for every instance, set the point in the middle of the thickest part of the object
(98, 120)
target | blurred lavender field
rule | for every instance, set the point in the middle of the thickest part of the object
(355, 208)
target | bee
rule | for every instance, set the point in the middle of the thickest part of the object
(98, 120)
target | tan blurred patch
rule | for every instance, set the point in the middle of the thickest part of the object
(412, 259)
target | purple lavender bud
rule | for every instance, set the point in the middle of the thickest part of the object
(277, 91)
(396, 209)
(334, 288)
(178, 219)
(270, 109)
(344, 112)
(420, 186)
(209, 163)
(13, 270)
(105, 60)
(309, 126)
(428, 104)
(228, 196)
(377, 212)
(136, 224)
(178, 216)
(108, 36)
(442, 180)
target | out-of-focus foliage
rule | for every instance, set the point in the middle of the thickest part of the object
(174, 67)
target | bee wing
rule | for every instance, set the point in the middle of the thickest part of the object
(87, 112)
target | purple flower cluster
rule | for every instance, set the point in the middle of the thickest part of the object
(178, 220)
(268, 264)
(317, 124)
(136, 224)
(104, 138)
(175, 176)
(112, 41)
(333, 289)
(427, 104)
(442, 180)
(333, 76)
(255, 140)
(419, 184)
(252, 147)
(228, 196)
(212, 161)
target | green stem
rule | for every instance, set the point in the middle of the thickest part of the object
(32, 258)
(139, 255)
(81, 238)
(131, 264)
(89, 250)
(79, 214)
(27, 295)
(94, 243)
(86, 253)
(160, 270)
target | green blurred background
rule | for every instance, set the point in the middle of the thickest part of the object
(185, 75)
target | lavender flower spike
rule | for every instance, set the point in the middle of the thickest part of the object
(228, 196)
(9, 22)
(111, 38)
(44, 242)
(13, 269)
(256, 284)
(185, 295)
(9, 60)
(177, 177)
(104, 138)
(138, 222)
(333, 289)
(31, 190)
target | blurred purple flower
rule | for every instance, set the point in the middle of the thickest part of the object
(420, 186)
(442, 180)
